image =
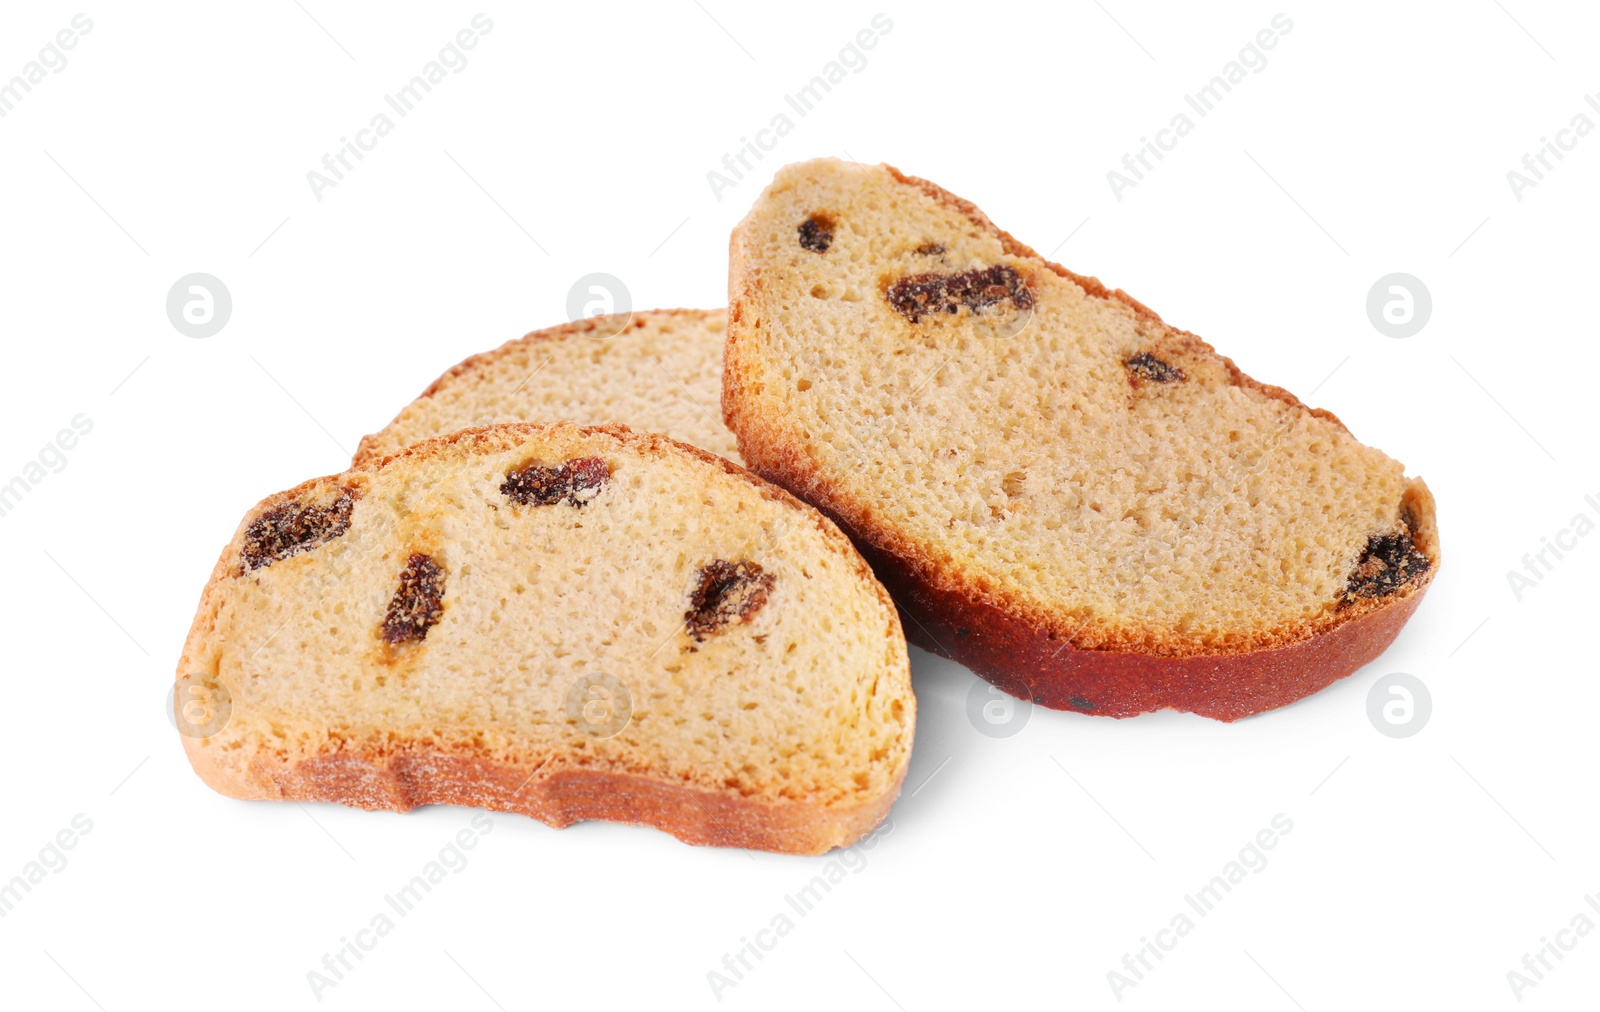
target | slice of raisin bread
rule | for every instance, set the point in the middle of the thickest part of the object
(1089, 507)
(654, 371)
(571, 623)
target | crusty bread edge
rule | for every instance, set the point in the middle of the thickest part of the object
(1093, 287)
(1031, 661)
(371, 445)
(558, 796)
(408, 774)
(1029, 652)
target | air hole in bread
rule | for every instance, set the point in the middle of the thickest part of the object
(577, 482)
(725, 593)
(816, 233)
(418, 604)
(917, 295)
(1145, 366)
(292, 528)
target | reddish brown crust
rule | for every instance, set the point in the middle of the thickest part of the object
(1026, 662)
(408, 774)
(367, 450)
(1032, 653)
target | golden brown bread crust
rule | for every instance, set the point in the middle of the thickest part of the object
(1093, 287)
(1030, 652)
(368, 452)
(415, 775)
(408, 773)
(1028, 659)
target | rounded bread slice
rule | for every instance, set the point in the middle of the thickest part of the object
(567, 622)
(1085, 505)
(655, 370)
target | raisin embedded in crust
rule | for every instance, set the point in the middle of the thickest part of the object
(418, 605)
(724, 593)
(292, 528)
(816, 233)
(577, 481)
(1145, 366)
(1389, 562)
(917, 294)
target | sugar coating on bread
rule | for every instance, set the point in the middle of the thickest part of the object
(654, 371)
(1016, 434)
(536, 598)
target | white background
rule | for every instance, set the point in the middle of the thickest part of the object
(1019, 870)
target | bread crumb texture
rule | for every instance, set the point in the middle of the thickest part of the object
(454, 608)
(654, 371)
(1019, 434)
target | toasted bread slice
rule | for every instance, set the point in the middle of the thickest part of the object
(654, 371)
(1091, 508)
(571, 623)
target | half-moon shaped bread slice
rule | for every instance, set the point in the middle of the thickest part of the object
(1089, 507)
(654, 371)
(571, 623)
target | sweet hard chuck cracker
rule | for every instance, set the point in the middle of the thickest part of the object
(571, 623)
(1090, 508)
